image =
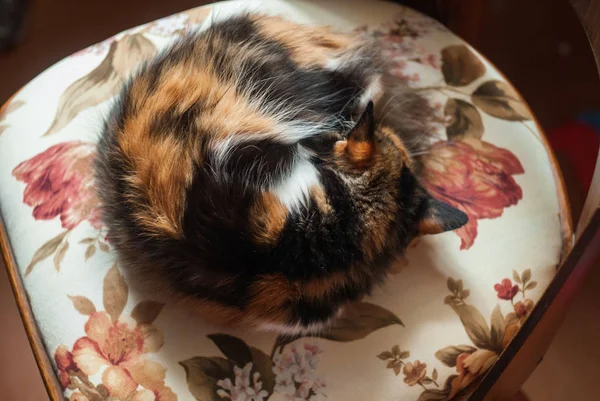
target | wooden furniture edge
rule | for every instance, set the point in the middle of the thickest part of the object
(33, 334)
(588, 12)
(524, 352)
(5, 105)
(517, 355)
(530, 344)
(592, 202)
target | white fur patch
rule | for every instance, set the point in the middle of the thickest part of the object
(297, 329)
(333, 64)
(373, 92)
(222, 148)
(293, 132)
(294, 189)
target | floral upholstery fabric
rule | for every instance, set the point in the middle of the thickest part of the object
(450, 307)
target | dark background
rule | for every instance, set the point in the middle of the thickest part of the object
(539, 45)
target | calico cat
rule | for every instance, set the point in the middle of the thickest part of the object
(261, 172)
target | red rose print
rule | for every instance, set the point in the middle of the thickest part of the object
(506, 290)
(475, 177)
(59, 182)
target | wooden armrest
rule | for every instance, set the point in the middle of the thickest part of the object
(530, 344)
(523, 353)
(588, 12)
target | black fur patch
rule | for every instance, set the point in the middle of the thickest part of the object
(449, 218)
(180, 125)
(308, 312)
(257, 161)
(313, 244)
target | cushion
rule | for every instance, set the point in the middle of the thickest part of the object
(452, 304)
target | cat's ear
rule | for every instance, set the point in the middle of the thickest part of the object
(361, 139)
(440, 217)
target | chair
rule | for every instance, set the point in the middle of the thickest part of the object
(465, 315)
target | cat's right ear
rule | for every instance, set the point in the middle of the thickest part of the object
(440, 217)
(360, 144)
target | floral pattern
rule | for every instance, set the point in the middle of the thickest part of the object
(470, 362)
(105, 81)
(403, 47)
(244, 386)
(117, 345)
(110, 342)
(414, 372)
(506, 290)
(295, 373)
(5, 111)
(59, 183)
(290, 372)
(475, 177)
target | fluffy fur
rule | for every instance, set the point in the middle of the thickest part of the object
(261, 172)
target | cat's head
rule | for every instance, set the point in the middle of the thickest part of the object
(393, 205)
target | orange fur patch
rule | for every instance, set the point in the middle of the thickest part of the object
(430, 225)
(163, 164)
(319, 289)
(309, 46)
(271, 297)
(354, 154)
(320, 197)
(233, 115)
(161, 180)
(377, 231)
(267, 217)
(226, 111)
(359, 152)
